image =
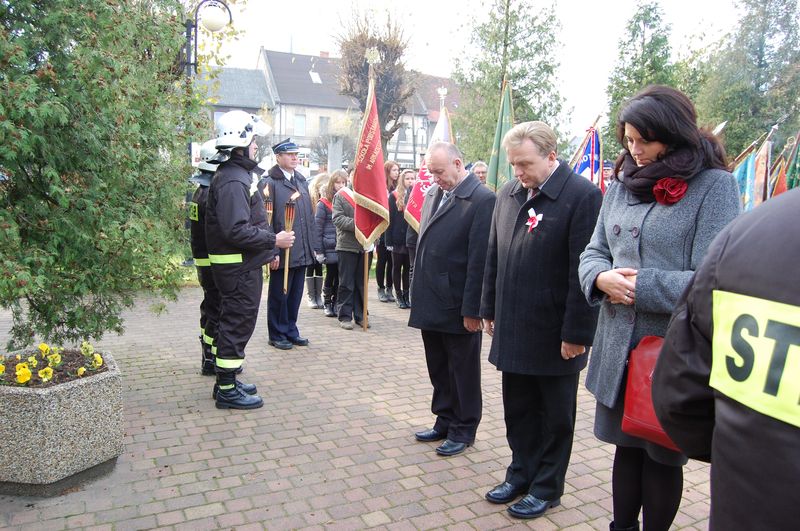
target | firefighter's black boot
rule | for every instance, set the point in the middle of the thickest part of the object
(234, 397)
(247, 388)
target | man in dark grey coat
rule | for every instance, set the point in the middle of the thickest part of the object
(534, 308)
(446, 295)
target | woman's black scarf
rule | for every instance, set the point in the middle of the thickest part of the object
(682, 163)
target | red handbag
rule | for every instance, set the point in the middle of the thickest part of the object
(639, 417)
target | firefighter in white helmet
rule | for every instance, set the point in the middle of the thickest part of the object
(239, 244)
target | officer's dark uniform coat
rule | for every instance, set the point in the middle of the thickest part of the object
(755, 457)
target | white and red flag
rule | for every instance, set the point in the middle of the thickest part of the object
(369, 181)
(441, 133)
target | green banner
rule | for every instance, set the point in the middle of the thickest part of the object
(500, 171)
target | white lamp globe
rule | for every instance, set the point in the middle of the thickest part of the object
(214, 16)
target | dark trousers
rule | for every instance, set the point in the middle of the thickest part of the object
(383, 268)
(330, 285)
(350, 296)
(282, 308)
(400, 269)
(540, 421)
(314, 270)
(454, 367)
(240, 296)
(209, 306)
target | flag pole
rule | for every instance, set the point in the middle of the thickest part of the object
(372, 57)
(576, 156)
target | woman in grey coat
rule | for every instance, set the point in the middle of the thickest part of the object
(656, 223)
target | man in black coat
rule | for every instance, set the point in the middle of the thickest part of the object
(446, 294)
(285, 183)
(533, 306)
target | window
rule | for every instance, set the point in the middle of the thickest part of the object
(401, 134)
(300, 125)
(324, 125)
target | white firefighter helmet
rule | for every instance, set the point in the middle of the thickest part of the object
(207, 152)
(237, 129)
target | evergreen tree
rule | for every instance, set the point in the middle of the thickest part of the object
(754, 78)
(644, 59)
(94, 123)
(519, 41)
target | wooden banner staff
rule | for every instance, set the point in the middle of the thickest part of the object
(288, 222)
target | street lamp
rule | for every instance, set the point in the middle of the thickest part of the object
(216, 15)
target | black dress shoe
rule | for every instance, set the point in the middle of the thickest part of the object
(449, 448)
(237, 399)
(299, 341)
(283, 344)
(504, 493)
(531, 507)
(246, 388)
(429, 436)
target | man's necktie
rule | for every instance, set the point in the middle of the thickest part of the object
(444, 199)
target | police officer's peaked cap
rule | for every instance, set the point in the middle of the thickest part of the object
(285, 146)
(608, 164)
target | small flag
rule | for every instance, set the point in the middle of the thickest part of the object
(761, 176)
(443, 132)
(500, 171)
(745, 177)
(590, 164)
(369, 182)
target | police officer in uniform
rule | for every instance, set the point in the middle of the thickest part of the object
(284, 182)
(239, 243)
(209, 306)
(726, 385)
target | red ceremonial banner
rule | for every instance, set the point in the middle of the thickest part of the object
(441, 133)
(369, 181)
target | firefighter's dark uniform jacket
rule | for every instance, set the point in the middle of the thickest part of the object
(209, 307)
(727, 382)
(237, 233)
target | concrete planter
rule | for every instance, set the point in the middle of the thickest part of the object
(53, 433)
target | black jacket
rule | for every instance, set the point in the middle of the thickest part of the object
(396, 233)
(451, 253)
(237, 234)
(197, 226)
(326, 231)
(280, 189)
(726, 385)
(531, 286)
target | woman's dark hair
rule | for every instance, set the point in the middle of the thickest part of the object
(664, 114)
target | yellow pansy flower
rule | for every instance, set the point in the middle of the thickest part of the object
(32, 360)
(87, 349)
(19, 357)
(2, 368)
(97, 361)
(46, 374)
(44, 348)
(54, 360)
(21, 366)
(81, 371)
(23, 374)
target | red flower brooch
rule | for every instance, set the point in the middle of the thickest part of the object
(533, 219)
(669, 190)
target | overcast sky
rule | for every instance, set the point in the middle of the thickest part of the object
(438, 31)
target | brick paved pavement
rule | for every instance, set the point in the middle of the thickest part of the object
(332, 448)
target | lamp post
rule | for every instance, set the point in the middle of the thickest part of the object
(215, 15)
